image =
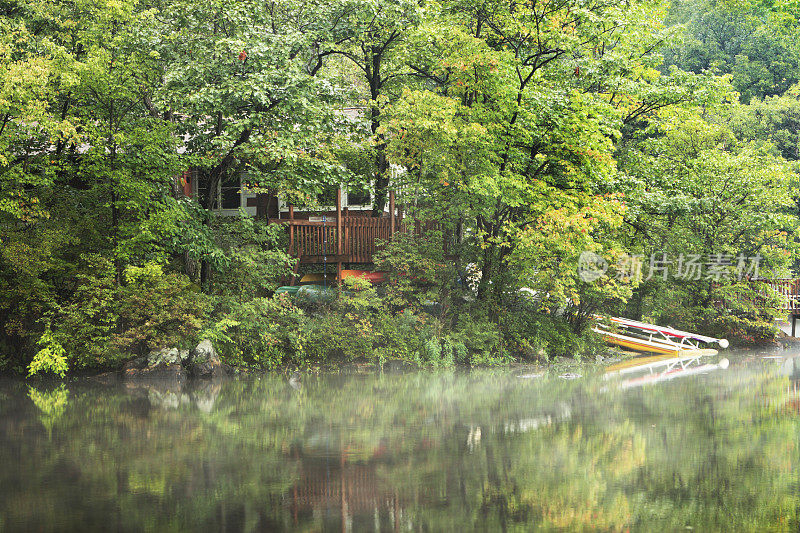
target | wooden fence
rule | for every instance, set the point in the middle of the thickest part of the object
(312, 239)
(343, 238)
(316, 241)
(788, 290)
(363, 237)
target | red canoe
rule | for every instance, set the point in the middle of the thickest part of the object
(373, 277)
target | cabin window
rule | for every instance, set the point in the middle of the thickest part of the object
(328, 195)
(230, 195)
(202, 193)
(359, 196)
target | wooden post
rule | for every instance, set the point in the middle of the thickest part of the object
(793, 319)
(346, 245)
(295, 271)
(291, 230)
(339, 236)
(400, 216)
(391, 212)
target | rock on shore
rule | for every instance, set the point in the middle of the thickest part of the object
(204, 362)
(176, 365)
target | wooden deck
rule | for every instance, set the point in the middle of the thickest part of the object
(318, 241)
(340, 238)
(344, 238)
(788, 290)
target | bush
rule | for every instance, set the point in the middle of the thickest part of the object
(345, 327)
(103, 323)
(418, 272)
(88, 323)
(262, 332)
(158, 309)
(480, 337)
(742, 311)
(358, 324)
(255, 259)
(443, 352)
(51, 358)
(535, 335)
(401, 336)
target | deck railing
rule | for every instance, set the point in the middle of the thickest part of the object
(362, 237)
(343, 238)
(312, 241)
(788, 290)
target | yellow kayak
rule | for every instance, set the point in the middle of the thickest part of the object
(639, 344)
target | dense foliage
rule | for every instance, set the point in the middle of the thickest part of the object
(532, 132)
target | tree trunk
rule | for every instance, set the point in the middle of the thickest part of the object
(115, 214)
(205, 276)
(373, 59)
(212, 179)
(486, 275)
(382, 178)
(115, 233)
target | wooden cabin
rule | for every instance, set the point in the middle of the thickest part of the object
(342, 232)
(235, 194)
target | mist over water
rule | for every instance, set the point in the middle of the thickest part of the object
(505, 449)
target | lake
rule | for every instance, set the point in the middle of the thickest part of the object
(486, 450)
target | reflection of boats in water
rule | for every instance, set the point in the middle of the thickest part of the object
(650, 338)
(664, 368)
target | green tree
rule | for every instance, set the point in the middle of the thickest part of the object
(754, 42)
(240, 85)
(692, 188)
(518, 132)
(372, 36)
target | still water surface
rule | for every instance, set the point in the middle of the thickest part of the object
(482, 450)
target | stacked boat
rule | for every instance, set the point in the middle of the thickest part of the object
(664, 352)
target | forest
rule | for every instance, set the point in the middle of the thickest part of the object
(656, 140)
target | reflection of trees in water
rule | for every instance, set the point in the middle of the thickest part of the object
(719, 457)
(442, 451)
(51, 404)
